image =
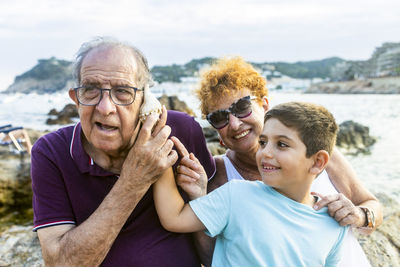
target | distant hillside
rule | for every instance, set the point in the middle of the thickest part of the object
(48, 68)
(51, 75)
(174, 72)
(48, 76)
(308, 69)
(301, 70)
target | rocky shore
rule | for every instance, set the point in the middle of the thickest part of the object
(382, 247)
(385, 85)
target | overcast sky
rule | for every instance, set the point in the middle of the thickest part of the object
(176, 31)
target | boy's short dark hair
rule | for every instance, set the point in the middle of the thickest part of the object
(315, 125)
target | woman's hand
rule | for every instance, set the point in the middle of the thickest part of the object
(341, 209)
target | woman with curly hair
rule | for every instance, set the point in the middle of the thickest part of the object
(233, 98)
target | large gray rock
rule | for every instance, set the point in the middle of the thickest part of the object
(212, 140)
(65, 116)
(353, 138)
(173, 103)
(210, 134)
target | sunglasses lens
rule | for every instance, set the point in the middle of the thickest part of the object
(242, 108)
(218, 119)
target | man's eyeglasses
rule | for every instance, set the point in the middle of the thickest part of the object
(240, 109)
(120, 95)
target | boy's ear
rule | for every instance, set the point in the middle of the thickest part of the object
(321, 158)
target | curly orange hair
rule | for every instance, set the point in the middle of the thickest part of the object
(228, 75)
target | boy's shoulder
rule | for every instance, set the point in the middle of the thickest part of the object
(240, 182)
(244, 185)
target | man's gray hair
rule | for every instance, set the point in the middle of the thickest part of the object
(143, 72)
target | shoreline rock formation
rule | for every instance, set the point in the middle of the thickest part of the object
(385, 85)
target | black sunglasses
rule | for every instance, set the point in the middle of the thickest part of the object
(240, 109)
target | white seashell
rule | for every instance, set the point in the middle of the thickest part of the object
(150, 104)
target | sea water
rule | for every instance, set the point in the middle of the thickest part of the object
(379, 171)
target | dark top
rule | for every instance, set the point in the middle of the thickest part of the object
(68, 187)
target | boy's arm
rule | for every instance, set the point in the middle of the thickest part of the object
(204, 243)
(174, 214)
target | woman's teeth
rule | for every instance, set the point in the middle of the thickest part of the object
(242, 134)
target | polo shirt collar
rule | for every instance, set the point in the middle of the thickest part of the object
(84, 162)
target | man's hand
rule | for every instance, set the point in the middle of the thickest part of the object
(190, 174)
(151, 153)
(341, 209)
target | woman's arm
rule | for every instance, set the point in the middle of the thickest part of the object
(174, 214)
(346, 182)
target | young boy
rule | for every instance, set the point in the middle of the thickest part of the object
(268, 223)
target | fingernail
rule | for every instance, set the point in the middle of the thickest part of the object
(315, 207)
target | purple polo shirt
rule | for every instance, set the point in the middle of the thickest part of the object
(68, 187)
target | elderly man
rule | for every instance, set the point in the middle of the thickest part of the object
(92, 182)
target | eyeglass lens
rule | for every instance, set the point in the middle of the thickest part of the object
(93, 95)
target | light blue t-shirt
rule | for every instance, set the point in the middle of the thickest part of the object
(257, 226)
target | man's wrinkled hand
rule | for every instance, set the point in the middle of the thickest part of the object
(151, 153)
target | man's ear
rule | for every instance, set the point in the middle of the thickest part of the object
(72, 95)
(265, 103)
(321, 158)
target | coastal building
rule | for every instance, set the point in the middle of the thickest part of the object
(385, 61)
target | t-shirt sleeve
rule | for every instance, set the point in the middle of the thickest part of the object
(214, 209)
(50, 199)
(335, 254)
